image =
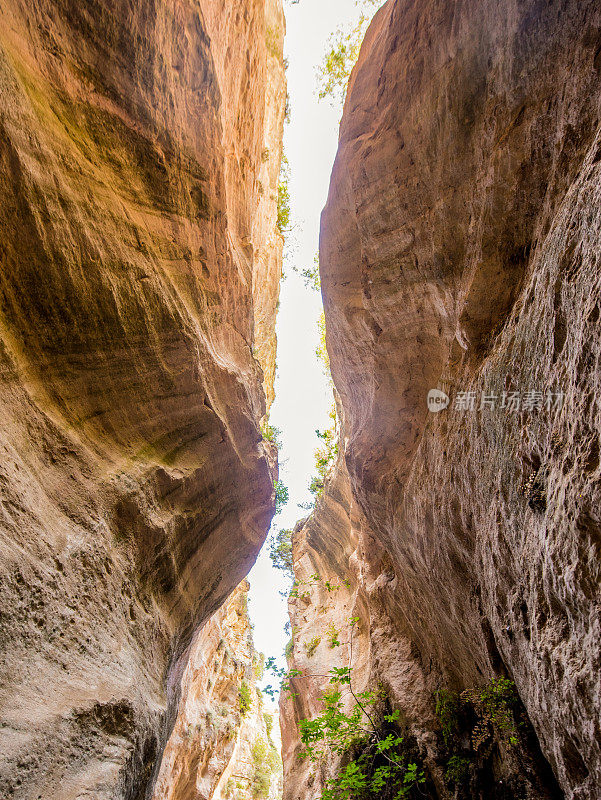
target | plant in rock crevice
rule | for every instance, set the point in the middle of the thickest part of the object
(359, 729)
(244, 698)
(272, 434)
(472, 721)
(265, 761)
(374, 756)
(312, 645)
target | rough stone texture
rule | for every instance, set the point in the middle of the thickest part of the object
(209, 753)
(343, 575)
(139, 152)
(328, 594)
(459, 251)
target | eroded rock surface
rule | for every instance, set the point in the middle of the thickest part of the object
(458, 252)
(221, 745)
(140, 146)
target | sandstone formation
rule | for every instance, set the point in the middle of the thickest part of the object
(140, 147)
(220, 741)
(327, 595)
(459, 252)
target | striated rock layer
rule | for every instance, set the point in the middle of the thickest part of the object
(459, 252)
(222, 737)
(140, 147)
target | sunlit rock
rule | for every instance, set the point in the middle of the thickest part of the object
(140, 145)
(459, 254)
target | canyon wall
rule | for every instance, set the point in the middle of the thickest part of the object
(221, 745)
(140, 148)
(459, 253)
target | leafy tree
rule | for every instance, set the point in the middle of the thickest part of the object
(322, 351)
(310, 275)
(373, 752)
(281, 496)
(280, 552)
(341, 56)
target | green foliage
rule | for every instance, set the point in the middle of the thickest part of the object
(447, 710)
(272, 434)
(259, 665)
(341, 56)
(476, 715)
(281, 496)
(321, 351)
(374, 755)
(266, 761)
(244, 698)
(498, 700)
(333, 640)
(458, 770)
(298, 591)
(312, 645)
(268, 724)
(310, 275)
(280, 552)
(283, 218)
(357, 728)
(325, 456)
(498, 697)
(289, 648)
(263, 768)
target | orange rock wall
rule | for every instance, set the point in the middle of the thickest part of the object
(139, 266)
(458, 252)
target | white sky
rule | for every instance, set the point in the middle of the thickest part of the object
(303, 397)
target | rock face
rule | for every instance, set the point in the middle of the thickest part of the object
(327, 595)
(222, 737)
(458, 252)
(140, 147)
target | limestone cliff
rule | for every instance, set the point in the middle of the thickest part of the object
(327, 596)
(458, 252)
(221, 743)
(140, 145)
